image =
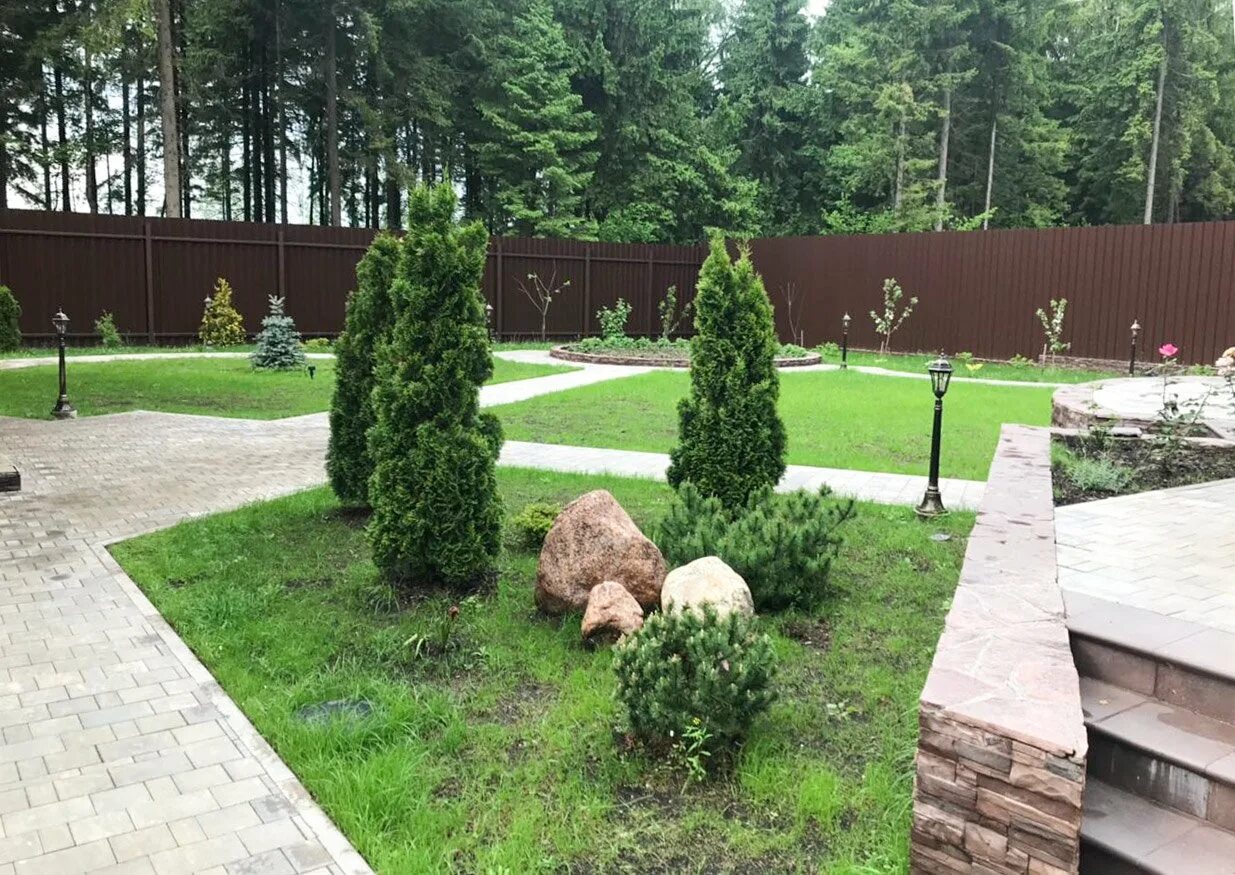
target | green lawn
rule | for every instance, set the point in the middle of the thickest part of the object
(504, 754)
(214, 387)
(834, 419)
(79, 349)
(916, 363)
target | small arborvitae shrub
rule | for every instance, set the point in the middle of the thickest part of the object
(222, 324)
(10, 315)
(369, 317)
(105, 328)
(686, 673)
(437, 517)
(318, 344)
(530, 526)
(731, 441)
(781, 544)
(278, 343)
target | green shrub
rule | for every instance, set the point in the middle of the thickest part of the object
(791, 351)
(105, 328)
(318, 344)
(1097, 475)
(278, 343)
(10, 316)
(782, 544)
(685, 672)
(830, 350)
(222, 324)
(436, 512)
(731, 441)
(349, 462)
(613, 320)
(531, 525)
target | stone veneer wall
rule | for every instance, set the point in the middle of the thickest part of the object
(1001, 750)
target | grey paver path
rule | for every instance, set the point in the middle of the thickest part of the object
(1170, 551)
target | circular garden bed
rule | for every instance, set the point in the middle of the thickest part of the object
(662, 354)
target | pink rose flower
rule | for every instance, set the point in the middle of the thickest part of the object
(1168, 350)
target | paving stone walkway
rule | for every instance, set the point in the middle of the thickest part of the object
(1170, 551)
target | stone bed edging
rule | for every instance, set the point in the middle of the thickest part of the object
(1075, 407)
(1000, 768)
(593, 358)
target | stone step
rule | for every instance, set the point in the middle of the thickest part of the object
(1123, 833)
(1167, 754)
(1176, 661)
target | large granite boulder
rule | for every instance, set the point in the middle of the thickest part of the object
(707, 581)
(612, 614)
(594, 540)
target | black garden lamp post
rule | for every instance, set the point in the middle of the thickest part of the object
(941, 375)
(1136, 329)
(844, 341)
(489, 319)
(63, 409)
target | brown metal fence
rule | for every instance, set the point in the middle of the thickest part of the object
(977, 290)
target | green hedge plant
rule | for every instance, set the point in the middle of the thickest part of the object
(782, 544)
(699, 675)
(10, 321)
(531, 525)
(731, 441)
(436, 513)
(369, 317)
(222, 324)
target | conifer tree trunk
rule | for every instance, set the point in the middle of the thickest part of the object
(332, 120)
(44, 143)
(898, 197)
(1152, 174)
(127, 145)
(141, 145)
(88, 157)
(944, 136)
(167, 110)
(62, 138)
(990, 176)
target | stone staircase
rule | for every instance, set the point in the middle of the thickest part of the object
(1159, 703)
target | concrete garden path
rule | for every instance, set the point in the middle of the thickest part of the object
(118, 750)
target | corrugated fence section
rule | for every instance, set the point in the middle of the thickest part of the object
(977, 290)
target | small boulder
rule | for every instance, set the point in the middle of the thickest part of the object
(594, 540)
(612, 613)
(707, 581)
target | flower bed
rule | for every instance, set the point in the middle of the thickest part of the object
(659, 352)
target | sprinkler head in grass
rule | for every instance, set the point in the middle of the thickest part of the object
(941, 376)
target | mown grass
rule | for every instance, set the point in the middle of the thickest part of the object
(834, 419)
(213, 387)
(916, 363)
(505, 754)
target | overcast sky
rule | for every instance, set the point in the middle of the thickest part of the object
(816, 7)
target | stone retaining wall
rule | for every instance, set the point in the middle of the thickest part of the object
(615, 358)
(1001, 750)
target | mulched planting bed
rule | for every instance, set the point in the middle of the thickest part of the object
(660, 353)
(1093, 468)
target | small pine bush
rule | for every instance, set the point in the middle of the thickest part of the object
(278, 343)
(781, 544)
(531, 525)
(10, 316)
(731, 441)
(682, 667)
(437, 517)
(222, 324)
(105, 328)
(370, 313)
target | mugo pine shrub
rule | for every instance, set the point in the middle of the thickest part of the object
(10, 315)
(781, 544)
(369, 316)
(682, 667)
(436, 513)
(731, 441)
(278, 343)
(222, 324)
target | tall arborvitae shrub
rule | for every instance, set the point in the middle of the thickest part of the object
(369, 316)
(10, 314)
(278, 343)
(222, 324)
(731, 441)
(436, 512)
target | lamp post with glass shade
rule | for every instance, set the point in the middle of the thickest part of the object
(489, 319)
(1136, 329)
(63, 409)
(941, 375)
(844, 342)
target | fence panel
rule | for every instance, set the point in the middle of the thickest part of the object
(978, 291)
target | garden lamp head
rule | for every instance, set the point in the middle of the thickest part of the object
(845, 320)
(1136, 329)
(60, 322)
(941, 376)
